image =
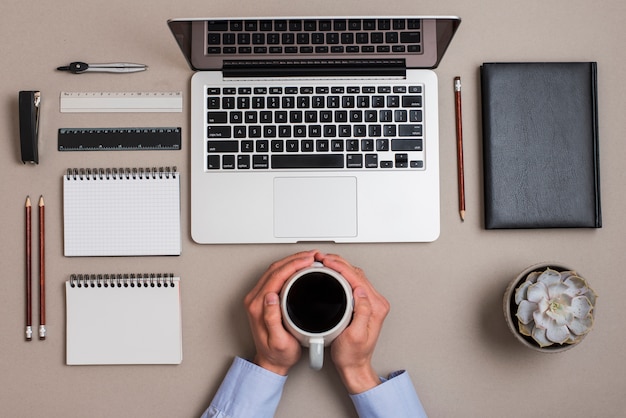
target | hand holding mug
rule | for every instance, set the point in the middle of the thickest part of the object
(352, 351)
(276, 349)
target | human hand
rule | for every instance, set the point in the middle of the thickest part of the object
(352, 351)
(276, 349)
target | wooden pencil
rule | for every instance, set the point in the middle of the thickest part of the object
(459, 146)
(29, 272)
(42, 270)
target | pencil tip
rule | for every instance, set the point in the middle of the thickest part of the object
(28, 201)
(462, 213)
(41, 200)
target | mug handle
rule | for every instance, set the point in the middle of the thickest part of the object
(316, 353)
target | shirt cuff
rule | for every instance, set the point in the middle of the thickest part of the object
(395, 397)
(247, 391)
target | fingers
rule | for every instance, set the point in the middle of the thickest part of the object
(355, 276)
(362, 314)
(277, 350)
(278, 273)
(272, 316)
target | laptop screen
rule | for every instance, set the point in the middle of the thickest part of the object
(406, 42)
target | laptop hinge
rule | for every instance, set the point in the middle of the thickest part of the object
(315, 67)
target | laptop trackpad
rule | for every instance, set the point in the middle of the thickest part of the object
(317, 207)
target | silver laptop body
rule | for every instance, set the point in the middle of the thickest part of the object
(359, 178)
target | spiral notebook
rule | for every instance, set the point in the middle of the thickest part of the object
(121, 212)
(123, 319)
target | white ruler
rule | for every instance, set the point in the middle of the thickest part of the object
(107, 101)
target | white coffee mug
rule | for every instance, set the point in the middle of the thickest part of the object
(317, 305)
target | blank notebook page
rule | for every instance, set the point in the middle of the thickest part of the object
(123, 324)
(121, 213)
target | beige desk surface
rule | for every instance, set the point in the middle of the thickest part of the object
(445, 327)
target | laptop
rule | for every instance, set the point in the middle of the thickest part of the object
(314, 129)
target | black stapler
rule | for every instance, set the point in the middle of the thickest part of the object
(29, 102)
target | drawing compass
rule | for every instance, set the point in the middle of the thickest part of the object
(112, 67)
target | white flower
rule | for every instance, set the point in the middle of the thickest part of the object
(554, 307)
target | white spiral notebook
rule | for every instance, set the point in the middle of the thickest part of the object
(121, 212)
(123, 319)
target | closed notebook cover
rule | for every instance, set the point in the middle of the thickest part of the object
(540, 145)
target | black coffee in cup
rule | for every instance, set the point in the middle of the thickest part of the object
(316, 302)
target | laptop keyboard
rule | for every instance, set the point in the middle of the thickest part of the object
(315, 126)
(259, 38)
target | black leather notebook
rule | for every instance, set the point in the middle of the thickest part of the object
(540, 145)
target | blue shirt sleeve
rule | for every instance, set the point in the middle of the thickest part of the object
(395, 397)
(247, 391)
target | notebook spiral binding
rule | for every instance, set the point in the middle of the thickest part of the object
(122, 280)
(121, 173)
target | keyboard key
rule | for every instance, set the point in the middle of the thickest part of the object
(399, 24)
(277, 145)
(402, 160)
(303, 38)
(217, 117)
(325, 25)
(321, 145)
(247, 146)
(410, 130)
(306, 145)
(354, 161)
(382, 144)
(217, 25)
(295, 25)
(258, 38)
(307, 161)
(336, 145)
(369, 24)
(236, 25)
(377, 37)
(371, 160)
(243, 162)
(412, 101)
(213, 162)
(222, 146)
(415, 115)
(340, 25)
(354, 24)
(384, 24)
(406, 145)
(260, 161)
(228, 162)
(292, 145)
(367, 145)
(413, 24)
(219, 131)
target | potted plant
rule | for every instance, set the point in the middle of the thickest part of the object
(549, 307)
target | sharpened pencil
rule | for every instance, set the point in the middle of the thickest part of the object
(459, 146)
(29, 272)
(42, 270)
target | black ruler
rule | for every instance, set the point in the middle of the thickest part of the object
(119, 139)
